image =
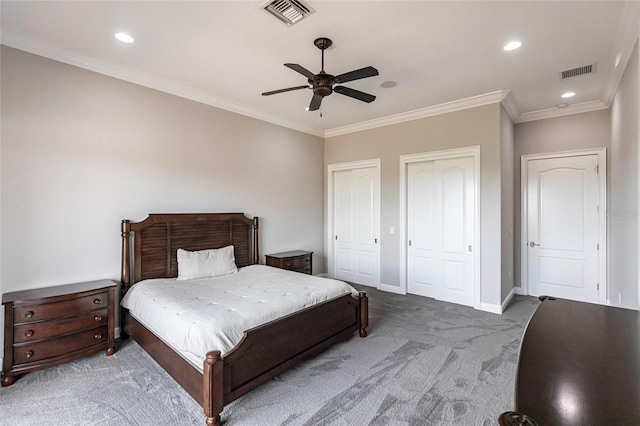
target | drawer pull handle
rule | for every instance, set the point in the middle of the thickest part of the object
(97, 336)
(29, 314)
(29, 354)
(97, 301)
(98, 318)
(28, 333)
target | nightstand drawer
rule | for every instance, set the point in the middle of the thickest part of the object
(296, 263)
(31, 313)
(59, 326)
(31, 352)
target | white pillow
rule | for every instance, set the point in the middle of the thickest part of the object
(206, 263)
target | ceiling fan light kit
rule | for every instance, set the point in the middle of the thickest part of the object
(322, 84)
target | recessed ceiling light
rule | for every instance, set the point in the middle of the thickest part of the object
(124, 37)
(568, 94)
(564, 105)
(388, 84)
(512, 45)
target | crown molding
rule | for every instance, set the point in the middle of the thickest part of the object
(445, 108)
(561, 112)
(509, 105)
(40, 47)
(625, 41)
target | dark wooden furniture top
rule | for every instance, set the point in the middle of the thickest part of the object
(48, 326)
(265, 351)
(579, 364)
(296, 260)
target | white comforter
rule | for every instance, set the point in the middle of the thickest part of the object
(200, 315)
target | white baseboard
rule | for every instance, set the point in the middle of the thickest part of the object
(507, 299)
(490, 307)
(391, 288)
(520, 291)
(498, 309)
(322, 275)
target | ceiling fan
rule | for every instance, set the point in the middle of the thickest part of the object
(322, 83)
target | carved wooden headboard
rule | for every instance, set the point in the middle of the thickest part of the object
(149, 247)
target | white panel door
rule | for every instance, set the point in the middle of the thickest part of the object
(356, 227)
(563, 226)
(422, 228)
(456, 179)
(440, 229)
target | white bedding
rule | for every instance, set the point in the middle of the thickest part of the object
(200, 315)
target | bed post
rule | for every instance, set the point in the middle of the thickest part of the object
(364, 313)
(256, 255)
(212, 387)
(125, 273)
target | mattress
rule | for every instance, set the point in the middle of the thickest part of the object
(200, 315)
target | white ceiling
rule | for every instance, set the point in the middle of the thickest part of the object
(226, 53)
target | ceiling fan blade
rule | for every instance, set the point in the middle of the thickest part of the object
(315, 103)
(273, 92)
(356, 94)
(356, 75)
(302, 70)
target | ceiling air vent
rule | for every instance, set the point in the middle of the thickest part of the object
(289, 11)
(585, 69)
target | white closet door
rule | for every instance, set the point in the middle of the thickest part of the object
(422, 229)
(357, 218)
(440, 229)
(457, 229)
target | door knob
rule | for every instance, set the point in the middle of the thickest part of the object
(532, 244)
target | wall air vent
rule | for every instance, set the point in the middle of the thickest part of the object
(289, 11)
(585, 69)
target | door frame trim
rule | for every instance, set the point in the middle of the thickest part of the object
(603, 294)
(351, 165)
(470, 151)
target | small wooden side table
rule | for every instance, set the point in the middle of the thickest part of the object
(297, 260)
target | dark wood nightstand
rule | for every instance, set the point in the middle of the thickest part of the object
(297, 260)
(48, 326)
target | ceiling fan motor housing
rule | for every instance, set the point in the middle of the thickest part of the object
(322, 86)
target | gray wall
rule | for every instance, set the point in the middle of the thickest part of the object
(507, 146)
(477, 126)
(81, 151)
(623, 195)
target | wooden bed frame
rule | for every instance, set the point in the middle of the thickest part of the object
(265, 351)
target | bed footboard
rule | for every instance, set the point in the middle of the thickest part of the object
(272, 348)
